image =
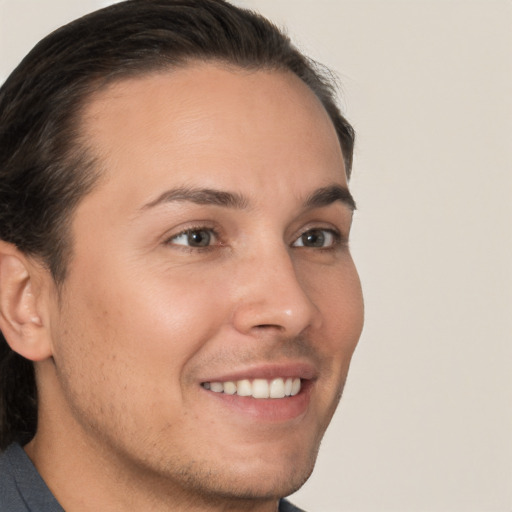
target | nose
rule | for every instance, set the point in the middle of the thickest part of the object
(272, 297)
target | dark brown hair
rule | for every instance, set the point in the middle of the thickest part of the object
(44, 168)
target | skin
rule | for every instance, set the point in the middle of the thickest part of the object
(143, 318)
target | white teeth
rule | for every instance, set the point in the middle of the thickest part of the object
(288, 387)
(229, 388)
(295, 387)
(218, 387)
(244, 388)
(258, 388)
(277, 388)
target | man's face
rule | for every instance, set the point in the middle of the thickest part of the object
(212, 256)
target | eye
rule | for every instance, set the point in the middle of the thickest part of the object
(317, 238)
(201, 237)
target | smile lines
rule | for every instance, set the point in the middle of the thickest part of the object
(258, 388)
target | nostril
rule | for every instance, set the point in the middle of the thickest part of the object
(269, 326)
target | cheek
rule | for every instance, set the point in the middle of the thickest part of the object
(336, 293)
(123, 348)
(181, 309)
(154, 321)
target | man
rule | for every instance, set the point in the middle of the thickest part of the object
(177, 296)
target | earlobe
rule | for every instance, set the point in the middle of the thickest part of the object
(20, 319)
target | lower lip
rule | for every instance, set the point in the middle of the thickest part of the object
(268, 409)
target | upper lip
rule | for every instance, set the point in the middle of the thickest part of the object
(302, 370)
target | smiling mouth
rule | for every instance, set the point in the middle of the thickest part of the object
(257, 388)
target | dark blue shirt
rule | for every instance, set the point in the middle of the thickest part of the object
(23, 490)
(21, 487)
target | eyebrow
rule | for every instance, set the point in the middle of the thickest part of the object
(205, 196)
(327, 195)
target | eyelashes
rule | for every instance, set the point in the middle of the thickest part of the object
(206, 238)
(318, 238)
(196, 237)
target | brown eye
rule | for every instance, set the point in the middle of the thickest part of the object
(316, 238)
(194, 238)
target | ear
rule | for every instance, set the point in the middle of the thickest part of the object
(21, 321)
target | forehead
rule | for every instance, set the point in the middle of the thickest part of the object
(213, 122)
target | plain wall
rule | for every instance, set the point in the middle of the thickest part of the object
(426, 420)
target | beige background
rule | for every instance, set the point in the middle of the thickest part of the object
(426, 420)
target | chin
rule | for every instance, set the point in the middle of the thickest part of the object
(266, 476)
(265, 479)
